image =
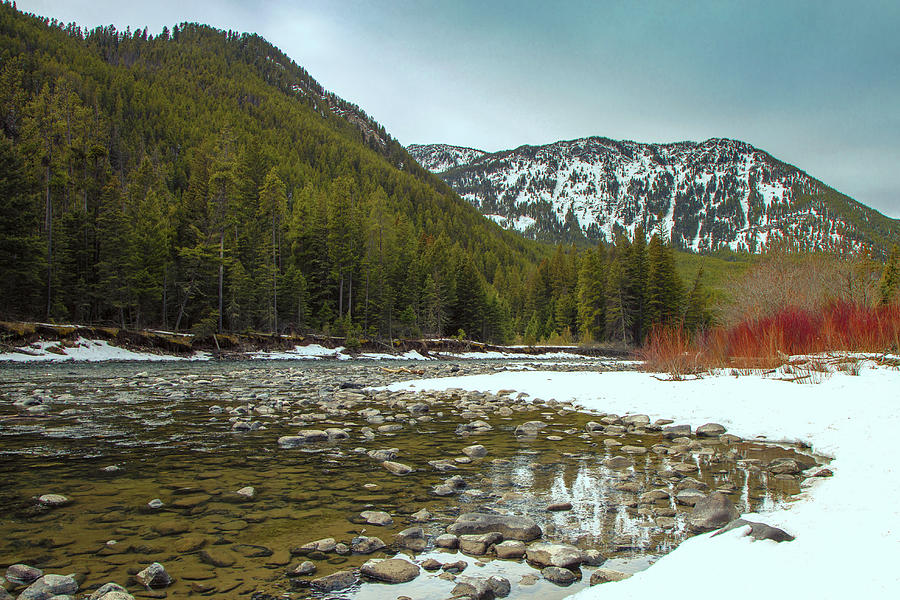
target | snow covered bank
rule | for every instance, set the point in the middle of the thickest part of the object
(847, 527)
(85, 350)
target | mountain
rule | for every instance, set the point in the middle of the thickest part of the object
(202, 180)
(706, 196)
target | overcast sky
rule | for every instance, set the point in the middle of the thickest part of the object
(816, 84)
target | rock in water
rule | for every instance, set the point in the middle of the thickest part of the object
(710, 430)
(110, 591)
(154, 576)
(336, 581)
(554, 555)
(607, 575)
(23, 574)
(397, 468)
(412, 538)
(391, 570)
(712, 512)
(48, 586)
(559, 575)
(511, 527)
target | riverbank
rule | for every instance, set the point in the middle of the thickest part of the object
(29, 342)
(847, 524)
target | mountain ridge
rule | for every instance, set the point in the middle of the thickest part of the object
(709, 195)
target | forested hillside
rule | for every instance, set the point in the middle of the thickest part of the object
(201, 179)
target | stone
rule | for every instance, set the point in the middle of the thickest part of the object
(500, 586)
(421, 516)
(823, 473)
(689, 496)
(247, 492)
(307, 567)
(430, 564)
(712, 512)
(377, 517)
(455, 567)
(784, 466)
(559, 575)
(155, 504)
(635, 450)
(653, 496)
(335, 433)
(448, 540)
(592, 558)
(478, 544)
(154, 576)
(607, 575)
(107, 588)
(383, 454)
(20, 574)
(307, 436)
(217, 557)
(674, 431)
(112, 595)
(48, 586)
(366, 545)
(758, 531)
(511, 527)
(397, 468)
(545, 554)
(391, 570)
(170, 527)
(334, 582)
(510, 549)
(53, 500)
(323, 545)
(559, 506)
(710, 430)
(476, 451)
(412, 538)
(530, 428)
(636, 420)
(619, 462)
(476, 588)
(189, 543)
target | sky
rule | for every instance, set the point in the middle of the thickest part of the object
(816, 84)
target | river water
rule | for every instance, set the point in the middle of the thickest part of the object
(112, 437)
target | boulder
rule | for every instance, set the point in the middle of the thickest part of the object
(758, 531)
(712, 512)
(674, 431)
(511, 527)
(476, 588)
(366, 545)
(154, 576)
(710, 430)
(559, 575)
(500, 585)
(476, 451)
(20, 574)
(545, 554)
(307, 567)
(307, 436)
(48, 586)
(397, 468)
(689, 496)
(619, 462)
(784, 466)
(448, 540)
(607, 575)
(478, 544)
(377, 517)
(104, 592)
(412, 538)
(391, 570)
(334, 582)
(510, 549)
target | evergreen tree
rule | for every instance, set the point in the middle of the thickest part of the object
(662, 294)
(592, 295)
(890, 278)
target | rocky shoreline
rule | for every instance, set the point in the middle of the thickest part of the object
(418, 491)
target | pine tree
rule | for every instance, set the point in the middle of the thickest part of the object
(663, 289)
(890, 278)
(592, 296)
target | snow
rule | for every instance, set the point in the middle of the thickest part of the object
(846, 525)
(88, 351)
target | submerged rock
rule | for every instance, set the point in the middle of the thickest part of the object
(334, 582)
(511, 527)
(154, 576)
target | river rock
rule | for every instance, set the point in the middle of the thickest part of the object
(307, 567)
(217, 557)
(530, 428)
(636, 420)
(397, 468)
(323, 545)
(155, 504)
(448, 540)
(23, 574)
(710, 430)
(712, 512)
(154, 576)
(307, 436)
(48, 586)
(391, 570)
(383, 454)
(559, 506)
(511, 527)
(455, 567)
(674, 431)
(366, 545)
(104, 590)
(689, 496)
(653, 496)
(500, 585)
(784, 466)
(247, 493)
(619, 462)
(377, 517)
(607, 575)
(53, 500)
(476, 588)
(476, 451)
(421, 516)
(592, 558)
(758, 531)
(412, 538)
(559, 576)
(430, 564)
(478, 544)
(510, 549)
(334, 582)
(545, 554)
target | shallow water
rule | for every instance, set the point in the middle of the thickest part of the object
(153, 422)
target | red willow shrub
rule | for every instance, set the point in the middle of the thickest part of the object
(766, 342)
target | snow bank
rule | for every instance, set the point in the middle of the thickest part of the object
(87, 351)
(846, 526)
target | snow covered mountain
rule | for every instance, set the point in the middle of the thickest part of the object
(704, 196)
